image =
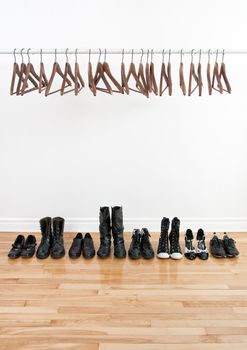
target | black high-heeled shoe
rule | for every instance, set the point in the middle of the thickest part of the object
(189, 251)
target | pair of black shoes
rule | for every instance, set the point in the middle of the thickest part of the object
(52, 242)
(201, 250)
(82, 246)
(174, 251)
(114, 225)
(140, 245)
(22, 247)
(222, 248)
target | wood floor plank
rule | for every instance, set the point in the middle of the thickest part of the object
(116, 304)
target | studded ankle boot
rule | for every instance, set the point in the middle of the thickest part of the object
(43, 250)
(57, 249)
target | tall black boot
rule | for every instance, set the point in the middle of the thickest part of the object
(105, 233)
(57, 249)
(117, 232)
(43, 250)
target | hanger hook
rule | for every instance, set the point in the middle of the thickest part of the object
(41, 56)
(66, 53)
(163, 55)
(192, 55)
(141, 55)
(209, 56)
(216, 57)
(147, 55)
(76, 55)
(89, 55)
(99, 55)
(55, 55)
(223, 55)
(105, 56)
(122, 55)
(132, 55)
(14, 55)
(22, 60)
(200, 55)
(169, 56)
(28, 55)
(152, 52)
(181, 56)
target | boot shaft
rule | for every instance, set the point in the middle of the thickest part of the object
(175, 228)
(45, 227)
(105, 222)
(117, 223)
(58, 227)
(165, 223)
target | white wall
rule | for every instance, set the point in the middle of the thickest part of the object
(157, 157)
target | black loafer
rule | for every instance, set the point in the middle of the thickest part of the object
(88, 250)
(76, 246)
(29, 247)
(17, 247)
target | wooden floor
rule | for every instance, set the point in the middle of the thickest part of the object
(123, 304)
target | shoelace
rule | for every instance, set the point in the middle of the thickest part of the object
(146, 240)
(175, 242)
(163, 242)
(230, 242)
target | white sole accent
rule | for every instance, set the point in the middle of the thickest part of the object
(176, 256)
(163, 255)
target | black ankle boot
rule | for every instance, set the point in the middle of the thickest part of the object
(43, 250)
(57, 249)
(175, 250)
(117, 232)
(105, 233)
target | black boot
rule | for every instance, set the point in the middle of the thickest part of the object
(163, 247)
(43, 250)
(57, 249)
(175, 250)
(117, 232)
(105, 233)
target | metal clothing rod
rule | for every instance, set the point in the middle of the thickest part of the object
(120, 51)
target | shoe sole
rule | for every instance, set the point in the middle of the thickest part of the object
(163, 256)
(148, 257)
(57, 257)
(43, 257)
(176, 257)
(74, 256)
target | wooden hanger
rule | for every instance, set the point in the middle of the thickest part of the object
(79, 83)
(165, 75)
(99, 75)
(141, 77)
(67, 74)
(181, 74)
(30, 71)
(154, 86)
(15, 73)
(91, 83)
(216, 76)
(199, 74)
(197, 77)
(124, 82)
(23, 72)
(107, 71)
(43, 81)
(132, 73)
(55, 70)
(224, 76)
(209, 75)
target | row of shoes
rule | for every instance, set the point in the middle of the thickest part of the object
(223, 248)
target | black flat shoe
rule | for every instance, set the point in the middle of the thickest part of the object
(29, 247)
(146, 246)
(201, 250)
(17, 247)
(88, 250)
(189, 250)
(217, 247)
(76, 246)
(230, 248)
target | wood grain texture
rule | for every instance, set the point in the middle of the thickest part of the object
(122, 304)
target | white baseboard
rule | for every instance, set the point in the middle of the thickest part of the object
(153, 224)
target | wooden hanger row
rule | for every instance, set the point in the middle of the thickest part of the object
(25, 79)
